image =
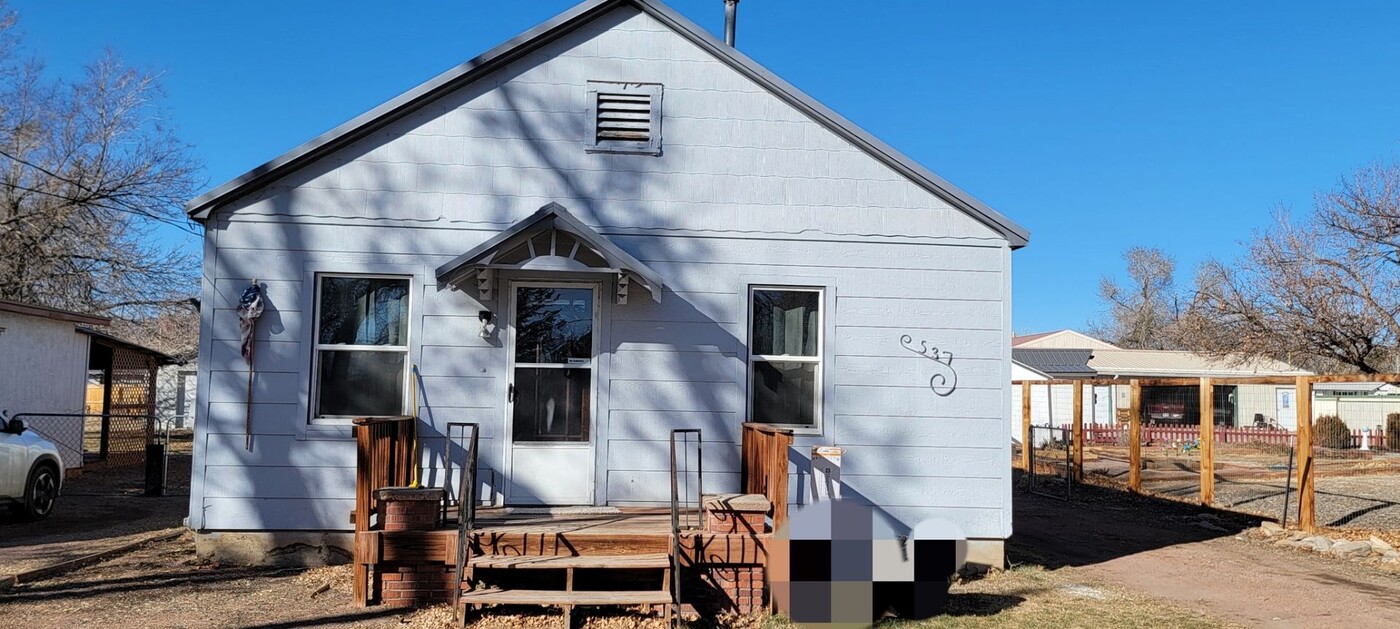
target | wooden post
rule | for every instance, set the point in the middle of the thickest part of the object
(1307, 507)
(1207, 444)
(1135, 438)
(1026, 425)
(1078, 436)
(360, 579)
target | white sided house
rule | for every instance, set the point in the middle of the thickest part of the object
(609, 227)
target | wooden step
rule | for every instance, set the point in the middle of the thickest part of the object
(560, 597)
(566, 543)
(559, 562)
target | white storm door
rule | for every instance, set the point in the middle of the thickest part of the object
(1286, 409)
(550, 398)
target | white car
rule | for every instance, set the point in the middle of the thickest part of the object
(30, 470)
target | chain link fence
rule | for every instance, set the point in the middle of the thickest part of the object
(1052, 468)
(112, 450)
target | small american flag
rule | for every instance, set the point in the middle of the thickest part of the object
(250, 307)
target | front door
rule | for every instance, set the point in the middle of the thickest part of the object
(549, 404)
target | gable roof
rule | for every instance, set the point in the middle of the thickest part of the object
(1055, 362)
(201, 207)
(1060, 339)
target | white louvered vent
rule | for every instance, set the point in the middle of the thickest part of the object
(624, 118)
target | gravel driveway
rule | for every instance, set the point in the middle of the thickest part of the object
(1371, 502)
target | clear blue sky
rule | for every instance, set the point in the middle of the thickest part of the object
(1097, 125)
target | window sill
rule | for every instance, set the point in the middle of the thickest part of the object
(329, 430)
(799, 431)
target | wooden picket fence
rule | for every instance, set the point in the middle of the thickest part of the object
(1117, 434)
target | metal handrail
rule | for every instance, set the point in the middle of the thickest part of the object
(466, 506)
(676, 511)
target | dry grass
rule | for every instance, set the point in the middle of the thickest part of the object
(1033, 597)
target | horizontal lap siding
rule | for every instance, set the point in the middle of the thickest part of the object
(746, 186)
(907, 448)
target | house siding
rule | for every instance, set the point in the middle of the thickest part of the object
(747, 190)
(45, 371)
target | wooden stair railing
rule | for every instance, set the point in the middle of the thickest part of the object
(384, 457)
(764, 464)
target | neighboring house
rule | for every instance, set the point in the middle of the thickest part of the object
(56, 364)
(44, 370)
(1361, 405)
(609, 227)
(175, 392)
(1235, 405)
(1062, 339)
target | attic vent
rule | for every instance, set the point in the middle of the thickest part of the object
(624, 118)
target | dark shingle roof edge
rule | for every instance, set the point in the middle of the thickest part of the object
(558, 26)
(1055, 361)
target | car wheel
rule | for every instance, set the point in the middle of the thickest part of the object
(41, 493)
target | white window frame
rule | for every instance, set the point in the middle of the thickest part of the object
(317, 347)
(819, 386)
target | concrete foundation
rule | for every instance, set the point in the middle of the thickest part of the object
(275, 548)
(985, 554)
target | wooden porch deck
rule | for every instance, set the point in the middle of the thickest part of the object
(406, 549)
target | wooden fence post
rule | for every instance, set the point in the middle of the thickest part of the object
(1307, 507)
(1135, 438)
(1207, 443)
(1026, 425)
(1078, 435)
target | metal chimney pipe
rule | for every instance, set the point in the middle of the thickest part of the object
(731, 15)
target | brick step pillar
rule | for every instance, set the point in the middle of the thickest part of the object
(732, 580)
(736, 513)
(412, 584)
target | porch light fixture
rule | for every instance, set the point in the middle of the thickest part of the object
(487, 328)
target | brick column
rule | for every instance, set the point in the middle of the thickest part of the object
(409, 509)
(412, 584)
(728, 575)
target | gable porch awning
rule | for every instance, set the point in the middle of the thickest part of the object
(551, 239)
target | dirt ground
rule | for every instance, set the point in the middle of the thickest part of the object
(161, 585)
(1104, 558)
(1165, 548)
(96, 511)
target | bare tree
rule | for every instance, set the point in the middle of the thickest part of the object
(1322, 293)
(1141, 313)
(88, 169)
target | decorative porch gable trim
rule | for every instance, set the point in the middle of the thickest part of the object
(480, 260)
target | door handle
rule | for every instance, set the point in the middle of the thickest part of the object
(510, 393)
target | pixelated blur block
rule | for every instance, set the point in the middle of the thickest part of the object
(842, 563)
